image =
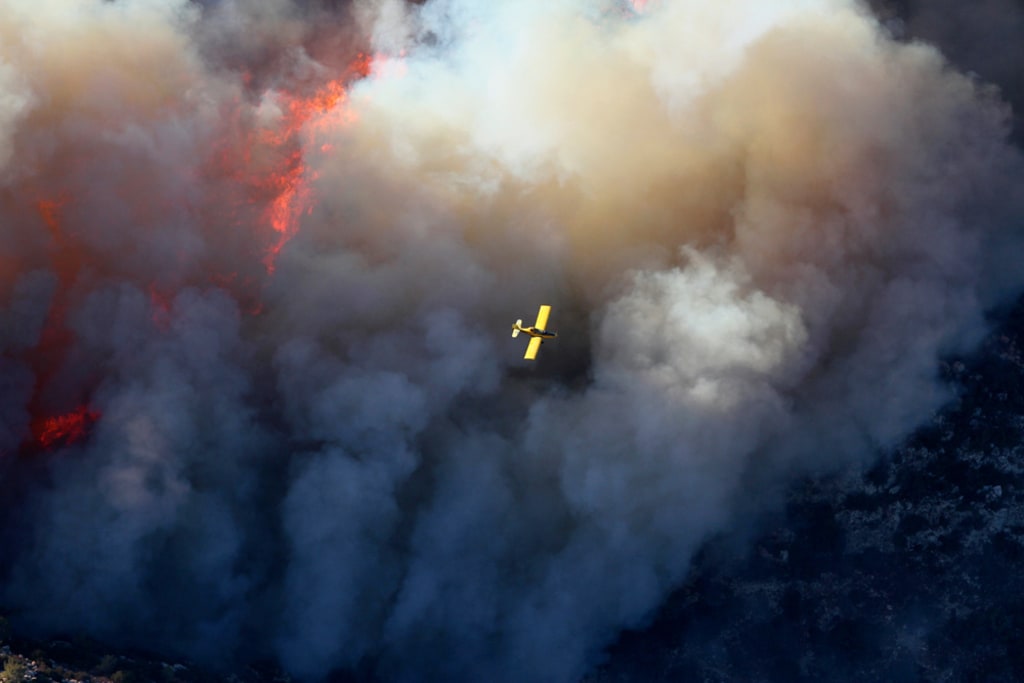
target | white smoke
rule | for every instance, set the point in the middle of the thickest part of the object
(760, 225)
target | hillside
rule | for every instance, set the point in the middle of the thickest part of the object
(908, 572)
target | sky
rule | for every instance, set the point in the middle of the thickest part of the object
(258, 392)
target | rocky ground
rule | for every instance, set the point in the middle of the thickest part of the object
(909, 572)
(82, 660)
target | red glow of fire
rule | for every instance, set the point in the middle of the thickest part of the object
(288, 183)
(362, 65)
(66, 259)
(64, 429)
(49, 211)
(66, 262)
(291, 187)
(274, 158)
(270, 165)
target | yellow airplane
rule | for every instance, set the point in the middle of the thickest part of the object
(537, 333)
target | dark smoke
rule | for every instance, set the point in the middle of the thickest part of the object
(761, 225)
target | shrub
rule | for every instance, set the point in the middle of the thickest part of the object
(125, 677)
(14, 671)
(107, 665)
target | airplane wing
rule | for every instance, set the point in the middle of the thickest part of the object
(542, 318)
(533, 348)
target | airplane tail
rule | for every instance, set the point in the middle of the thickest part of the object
(515, 328)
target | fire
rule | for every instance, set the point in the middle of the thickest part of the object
(64, 429)
(272, 162)
(305, 119)
(362, 66)
(49, 211)
(66, 261)
(271, 151)
(290, 184)
(65, 257)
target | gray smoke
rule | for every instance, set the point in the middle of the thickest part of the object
(760, 225)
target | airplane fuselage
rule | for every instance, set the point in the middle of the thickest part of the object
(535, 332)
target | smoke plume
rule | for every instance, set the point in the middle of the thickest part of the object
(258, 394)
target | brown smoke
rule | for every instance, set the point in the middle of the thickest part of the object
(278, 262)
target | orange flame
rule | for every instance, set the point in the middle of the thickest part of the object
(270, 164)
(65, 429)
(272, 160)
(289, 182)
(362, 65)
